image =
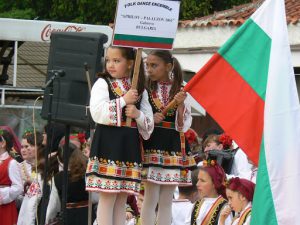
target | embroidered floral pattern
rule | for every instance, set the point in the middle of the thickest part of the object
(126, 84)
(158, 157)
(113, 115)
(95, 183)
(34, 189)
(107, 172)
(164, 94)
(170, 176)
(157, 103)
(106, 167)
(120, 88)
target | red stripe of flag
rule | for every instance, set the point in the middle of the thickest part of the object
(231, 101)
(142, 44)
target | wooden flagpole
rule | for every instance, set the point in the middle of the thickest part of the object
(135, 78)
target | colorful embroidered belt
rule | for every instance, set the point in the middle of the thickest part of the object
(165, 124)
(74, 205)
(133, 124)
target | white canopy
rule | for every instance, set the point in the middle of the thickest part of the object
(40, 31)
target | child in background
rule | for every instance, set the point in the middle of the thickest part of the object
(77, 198)
(10, 180)
(217, 142)
(211, 188)
(15, 145)
(240, 195)
(167, 156)
(182, 205)
(28, 152)
(114, 167)
(32, 145)
(195, 144)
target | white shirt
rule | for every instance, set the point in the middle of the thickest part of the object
(180, 209)
(109, 112)
(9, 194)
(240, 165)
(54, 205)
(30, 202)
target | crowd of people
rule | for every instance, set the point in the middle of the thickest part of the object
(152, 169)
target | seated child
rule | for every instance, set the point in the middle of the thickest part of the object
(240, 195)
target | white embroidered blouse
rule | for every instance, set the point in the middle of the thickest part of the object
(109, 112)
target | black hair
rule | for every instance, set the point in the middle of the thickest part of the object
(8, 138)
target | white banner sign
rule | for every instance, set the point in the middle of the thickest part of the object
(147, 24)
(40, 31)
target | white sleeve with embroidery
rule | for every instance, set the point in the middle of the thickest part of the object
(145, 122)
(9, 194)
(32, 198)
(103, 110)
(187, 117)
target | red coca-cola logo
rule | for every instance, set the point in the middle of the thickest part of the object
(46, 32)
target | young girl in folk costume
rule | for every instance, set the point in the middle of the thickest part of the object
(32, 146)
(167, 157)
(15, 148)
(28, 152)
(114, 167)
(217, 142)
(10, 181)
(240, 195)
(211, 188)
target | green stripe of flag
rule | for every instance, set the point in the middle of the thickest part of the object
(126, 37)
(248, 52)
(263, 210)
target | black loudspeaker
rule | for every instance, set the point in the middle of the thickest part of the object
(69, 52)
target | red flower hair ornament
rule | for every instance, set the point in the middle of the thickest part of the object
(226, 141)
(191, 136)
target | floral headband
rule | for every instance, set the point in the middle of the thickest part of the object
(225, 140)
(27, 132)
(209, 163)
(79, 136)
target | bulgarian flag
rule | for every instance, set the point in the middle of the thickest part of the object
(249, 88)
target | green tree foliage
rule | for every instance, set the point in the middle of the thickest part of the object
(189, 9)
(19, 9)
(97, 12)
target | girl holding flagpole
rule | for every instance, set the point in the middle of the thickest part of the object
(240, 195)
(114, 167)
(167, 156)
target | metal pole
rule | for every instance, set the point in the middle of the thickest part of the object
(15, 64)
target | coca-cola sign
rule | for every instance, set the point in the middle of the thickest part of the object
(47, 30)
